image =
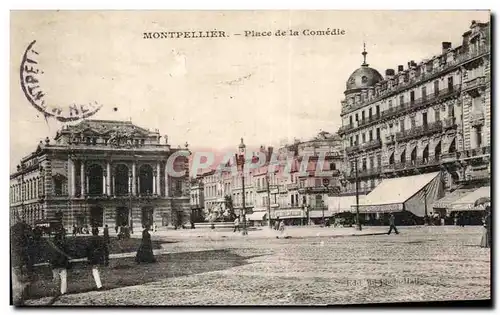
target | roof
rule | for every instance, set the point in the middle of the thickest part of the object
(362, 78)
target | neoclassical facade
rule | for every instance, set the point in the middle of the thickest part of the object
(103, 172)
(429, 116)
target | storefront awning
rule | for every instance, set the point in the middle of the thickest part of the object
(319, 213)
(447, 200)
(410, 193)
(257, 216)
(289, 214)
(466, 203)
(342, 203)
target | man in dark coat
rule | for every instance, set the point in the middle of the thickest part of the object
(59, 258)
(392, 225)
(96, 255)
(145, 251)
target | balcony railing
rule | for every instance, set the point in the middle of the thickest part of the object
(292, 186)
(364, 172)
(474, 83)
(424, 76)
(477, 119)
(420, 131)
(374, 144)
(450, 123)
(412, 164)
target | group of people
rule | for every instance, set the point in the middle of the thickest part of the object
(25, 245)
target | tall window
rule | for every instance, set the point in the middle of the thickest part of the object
(351, 140)
(412, 120)
(401, 100)
(357, 117)
(412, 97)
(424, 93)
(357, 140)
(451, 111)
(371, 162)
(379, 160)
(363, 137)
(369, 113)
(363, 115)
(370, 135)
(437, 115)
(436, 88)
(424, 119)
(450, 83)
(350, 120)
(364, 164)
(479, 136)
(377, 111)
(402, 125)
(378, 133)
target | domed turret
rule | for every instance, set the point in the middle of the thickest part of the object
(363, 77)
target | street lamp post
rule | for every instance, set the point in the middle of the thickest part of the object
(241, 159)
(326, 183)
(268, 202)
(357, 195)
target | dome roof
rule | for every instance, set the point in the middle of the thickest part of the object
(363, 77)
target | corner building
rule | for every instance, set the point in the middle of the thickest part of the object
(431, 116)
(102, 172)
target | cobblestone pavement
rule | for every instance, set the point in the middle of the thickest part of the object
(420, 264)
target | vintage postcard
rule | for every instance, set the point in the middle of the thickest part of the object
(250, 157)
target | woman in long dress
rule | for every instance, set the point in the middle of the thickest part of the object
(486, 239)
(145, 251)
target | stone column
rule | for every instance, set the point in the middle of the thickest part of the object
(70, 178)
(154, 182)
(134, 190)
(166, 181)
(73, 177)
(108, 179)
(104, 181)
(82, 179)
(158, 185)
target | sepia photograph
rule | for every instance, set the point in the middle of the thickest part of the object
(250, 158)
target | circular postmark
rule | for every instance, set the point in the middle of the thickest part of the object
(30, 73)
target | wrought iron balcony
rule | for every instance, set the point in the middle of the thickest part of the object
(477, 119)
(374, 144)
(364, 173)
(450, 123)
(420, 131)
(474, 83)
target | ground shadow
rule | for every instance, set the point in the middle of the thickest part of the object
(125, 271)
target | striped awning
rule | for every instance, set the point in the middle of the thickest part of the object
(447, 200)
(466, 203)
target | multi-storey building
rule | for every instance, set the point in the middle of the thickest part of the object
(432, 116)
(197, 194)
(102, 172)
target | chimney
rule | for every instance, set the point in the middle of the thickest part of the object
(389, 72)
(445, 46)
(400, 68)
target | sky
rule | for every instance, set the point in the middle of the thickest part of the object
(212, 92)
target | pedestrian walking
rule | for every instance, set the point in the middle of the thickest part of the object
(392, 225)
(277, 224)
(96, 255)
(236, 224)
(116, 229)
(59, 258)
(145, 251)
(74, 230)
